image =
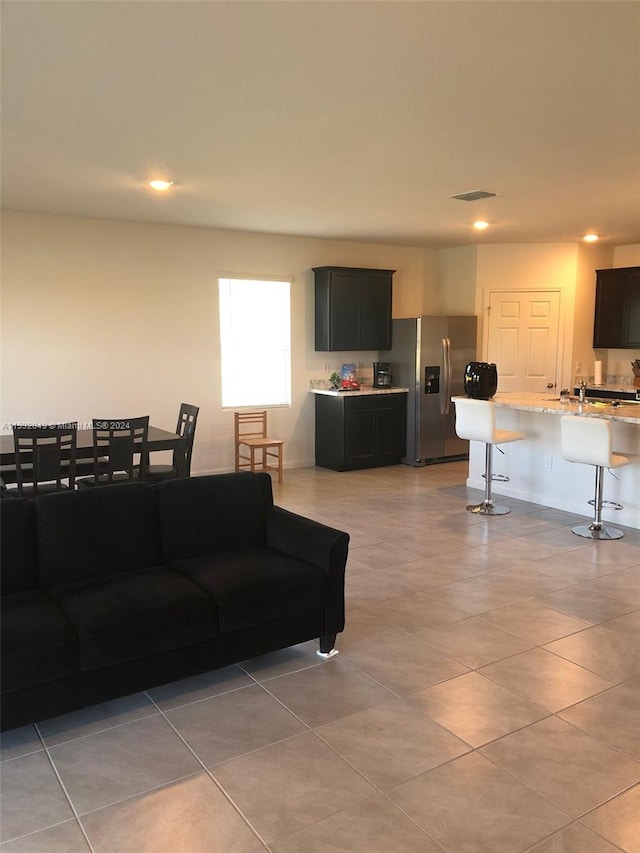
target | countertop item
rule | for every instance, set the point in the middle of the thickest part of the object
(626, 412)
(365, 391)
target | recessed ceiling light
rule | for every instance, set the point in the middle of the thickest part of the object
(161, 186)
(590, 238)
(480, 225)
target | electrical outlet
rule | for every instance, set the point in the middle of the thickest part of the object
(548, 462)
(326, 367)
(578, 366)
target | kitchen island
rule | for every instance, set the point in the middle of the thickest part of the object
(359, 429)
(535, 466)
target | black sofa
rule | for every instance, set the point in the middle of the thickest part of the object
(117, 589)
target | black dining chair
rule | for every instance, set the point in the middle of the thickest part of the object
(45, 456)
(186, 427)
(119, 448)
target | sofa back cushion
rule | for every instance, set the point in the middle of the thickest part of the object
(18, 546)
(209, 515)
(91, 533)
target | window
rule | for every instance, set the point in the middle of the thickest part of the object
(255, 342)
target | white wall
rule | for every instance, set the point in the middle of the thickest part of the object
(627, 256)
(108, 318)
(530, 266)
(115, 318)
(457, 270)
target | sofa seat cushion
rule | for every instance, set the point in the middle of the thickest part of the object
(256, 585)
(129, 616)
(39, 644)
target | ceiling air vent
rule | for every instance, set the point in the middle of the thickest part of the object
(474, 195)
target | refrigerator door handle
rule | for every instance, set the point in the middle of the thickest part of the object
(445, 394)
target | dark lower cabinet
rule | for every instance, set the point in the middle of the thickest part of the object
(360, 431)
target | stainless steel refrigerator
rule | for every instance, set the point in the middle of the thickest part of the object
(428, 356)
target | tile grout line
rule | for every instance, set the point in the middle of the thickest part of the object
(212, 777)
(378, 790)
(64, 788)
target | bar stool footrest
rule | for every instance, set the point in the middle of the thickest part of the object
(606, 504)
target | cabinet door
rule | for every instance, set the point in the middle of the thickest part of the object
(617, 315)
(391, 431)
(360, 435)
(375, 327)
(375, 429)
(345, 307)
(352, 309)
(632, 310)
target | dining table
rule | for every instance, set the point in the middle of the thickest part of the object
(158, 439)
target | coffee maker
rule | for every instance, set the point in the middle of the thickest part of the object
(381, 375)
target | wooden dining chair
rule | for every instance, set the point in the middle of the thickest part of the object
(119, 451)
(251, 437)
(186, 427)
(45, 456)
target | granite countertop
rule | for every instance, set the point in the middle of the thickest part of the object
(628, 412)
(364, 391)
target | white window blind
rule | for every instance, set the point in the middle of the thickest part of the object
(255, 342)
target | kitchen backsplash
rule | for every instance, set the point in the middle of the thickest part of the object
(617, 379)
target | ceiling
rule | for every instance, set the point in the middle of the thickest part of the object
(351, 119)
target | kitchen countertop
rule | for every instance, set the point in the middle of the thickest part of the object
(364, 391)
(628, 412)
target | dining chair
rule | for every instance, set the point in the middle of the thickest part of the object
(251, 433)
(186, 427)
(119, 449)
(45, 456)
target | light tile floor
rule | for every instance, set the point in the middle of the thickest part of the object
(486, 698)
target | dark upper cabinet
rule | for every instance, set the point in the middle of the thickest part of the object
(352, 308)
(617, 316)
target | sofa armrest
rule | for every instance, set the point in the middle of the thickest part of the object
(317, 544)
(307, 540)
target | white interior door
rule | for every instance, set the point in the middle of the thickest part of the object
(523, 339)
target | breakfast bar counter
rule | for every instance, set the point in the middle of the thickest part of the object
(535, 466)
(626, 411)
